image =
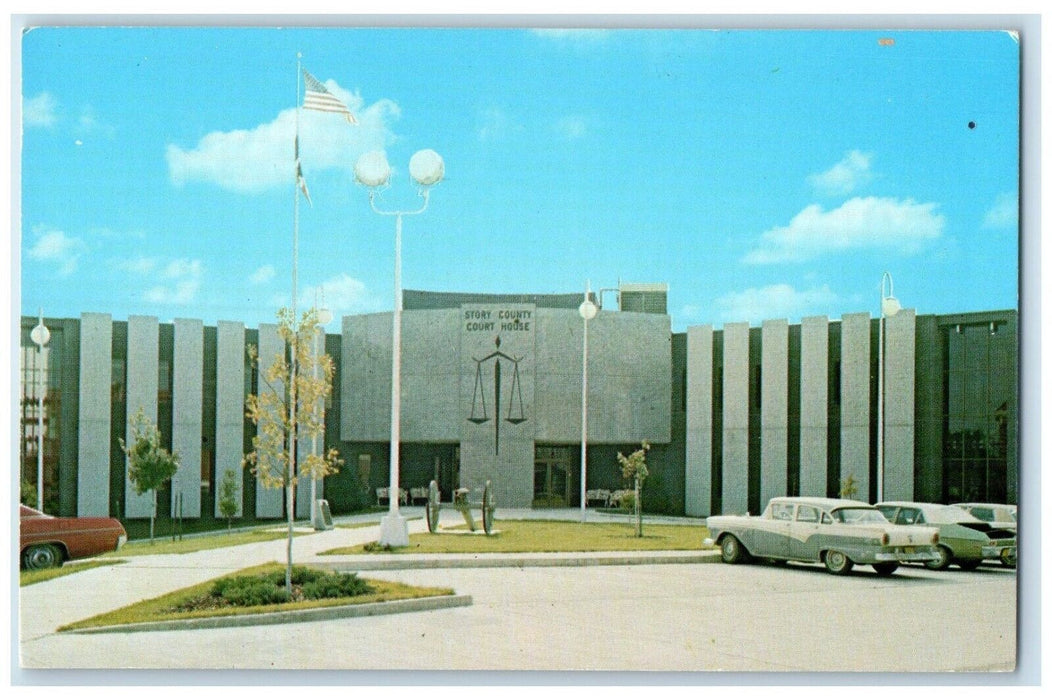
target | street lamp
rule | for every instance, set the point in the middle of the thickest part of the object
(324, 317)
(372, 170)
(588, 310)
(40, 335)
(889, 306)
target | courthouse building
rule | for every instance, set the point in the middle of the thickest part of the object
(491, 390)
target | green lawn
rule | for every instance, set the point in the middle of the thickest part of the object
(160, 608)
(202, 542)
(28, 578)
(551, 536)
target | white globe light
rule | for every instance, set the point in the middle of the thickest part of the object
(324, 316)
(587, 309)
(40, 334)
(890, 306)
(427, 168)
(372, 169)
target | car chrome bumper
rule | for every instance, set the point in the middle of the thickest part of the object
(907, 554)
(708, 542)
(998, 551)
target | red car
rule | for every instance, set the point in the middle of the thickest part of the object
(47, 541)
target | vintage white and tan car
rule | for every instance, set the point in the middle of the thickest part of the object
(837, 532)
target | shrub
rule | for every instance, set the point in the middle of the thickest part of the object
(266, 589)
(246, 591)
(336, 586)
(628, 501)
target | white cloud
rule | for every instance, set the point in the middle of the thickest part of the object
(860, 223)
(342, 295)
(39, 110)
(844, 177)
(181, 280)
(263, 274)
(571, 128)
(1004, 213)
(255, 160)
(58, 250)
(774, 301)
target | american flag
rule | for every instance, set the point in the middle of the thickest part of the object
(300, 180)
(319, 98)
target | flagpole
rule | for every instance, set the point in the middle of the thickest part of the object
(290, 490)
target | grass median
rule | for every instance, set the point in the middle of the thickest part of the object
(184, 604)
(517, 536)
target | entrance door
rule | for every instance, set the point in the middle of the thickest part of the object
(551, 477)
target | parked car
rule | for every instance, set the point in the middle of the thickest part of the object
(999, 515)
(837, 532)
(964, 539)
(46, 540)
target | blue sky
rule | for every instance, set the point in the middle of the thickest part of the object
(761, 174)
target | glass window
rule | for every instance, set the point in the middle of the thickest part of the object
(807, 514)
(909, 516)
(979, 375)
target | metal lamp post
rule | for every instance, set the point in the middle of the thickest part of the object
(40, 335)
(372, 170)
(588, 310)
(889, 306)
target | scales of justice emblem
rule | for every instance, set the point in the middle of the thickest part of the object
(479, 413)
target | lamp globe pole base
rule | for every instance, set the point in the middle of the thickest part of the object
(394, 531)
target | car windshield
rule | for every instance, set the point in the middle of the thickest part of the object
(859, 515)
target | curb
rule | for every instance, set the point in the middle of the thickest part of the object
(517, 562)
(291, 616)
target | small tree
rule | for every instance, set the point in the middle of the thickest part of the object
(291, 408)
(849, 487)
(229, 496)
(149, 464)
(634, 467)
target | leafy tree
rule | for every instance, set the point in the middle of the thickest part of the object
(634, 468)
(229, 496)
(849, 487)
(290, 407)
(149, 464)
(29, 494)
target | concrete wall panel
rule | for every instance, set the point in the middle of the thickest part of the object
(143, 347)
(187, 416)
(735, 486)
(698, 469)
(854, 400)
(93, 437)
(230, 406)
(899, 404)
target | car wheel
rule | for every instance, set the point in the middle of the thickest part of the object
(41, 556)
(886, 568)
(837, 562)
(942, 562)
(732, 551)
(1009, 561)
(969, 564)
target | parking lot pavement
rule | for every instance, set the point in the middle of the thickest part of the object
(679, 617)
